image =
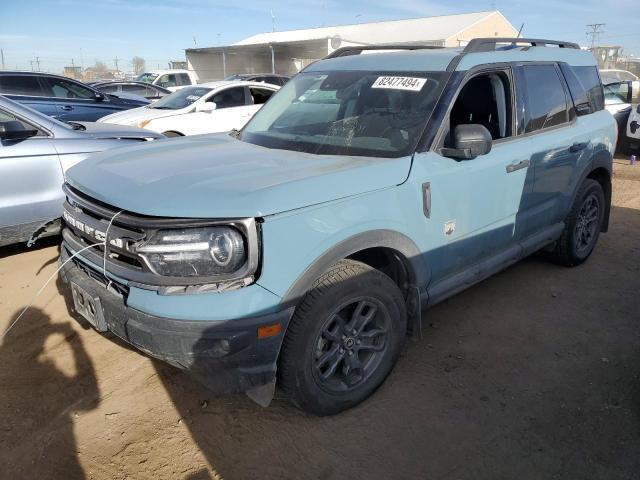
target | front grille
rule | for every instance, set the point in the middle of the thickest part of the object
(86, 223)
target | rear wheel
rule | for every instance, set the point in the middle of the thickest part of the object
(582, 225)
(343, 340)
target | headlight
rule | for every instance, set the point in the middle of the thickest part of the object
(194, 252)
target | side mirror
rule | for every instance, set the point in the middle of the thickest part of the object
(98, 97)
(14, 130)
(470, 141)
(206, 107)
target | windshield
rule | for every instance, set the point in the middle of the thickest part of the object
(180, 99)
(147, 77)
(348, 113)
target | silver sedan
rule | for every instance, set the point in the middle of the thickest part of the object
(35, 152)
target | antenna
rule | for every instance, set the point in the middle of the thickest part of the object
(595, 32)
(273, 21)
(520, 31)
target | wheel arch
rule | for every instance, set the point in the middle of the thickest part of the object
(389, 251)
(600, 171)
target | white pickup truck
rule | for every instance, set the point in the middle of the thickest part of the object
(170, 79)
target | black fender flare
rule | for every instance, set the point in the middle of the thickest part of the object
(418, 269)
(601, 159)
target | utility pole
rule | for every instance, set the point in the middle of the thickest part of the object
(2, 55)
(31, 63)
(38, 63)
(115, 60)
(595, 32)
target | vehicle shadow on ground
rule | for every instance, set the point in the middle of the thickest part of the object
(18, 248)
(36, 423)
(534, 373)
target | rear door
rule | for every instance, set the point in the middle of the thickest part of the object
(560, 143)
(28, 90)
(30, 183)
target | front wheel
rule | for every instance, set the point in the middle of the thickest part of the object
(343, 339)
(582, 225)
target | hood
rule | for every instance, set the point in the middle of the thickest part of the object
(137, 115)
(109, 131)
(217, 176)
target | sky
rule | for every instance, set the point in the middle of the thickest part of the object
(57, 32)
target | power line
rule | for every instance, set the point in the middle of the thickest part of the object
(595, 32)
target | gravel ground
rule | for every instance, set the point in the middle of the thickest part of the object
(534, 373)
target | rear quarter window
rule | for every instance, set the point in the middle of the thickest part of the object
(585, 88)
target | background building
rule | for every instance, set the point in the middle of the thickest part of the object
(290, 51)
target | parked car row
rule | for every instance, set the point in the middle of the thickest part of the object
(63, 98)
(206, 108)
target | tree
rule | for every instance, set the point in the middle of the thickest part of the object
(139, 64)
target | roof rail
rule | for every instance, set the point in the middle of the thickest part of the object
(357, 50)
(489, 44)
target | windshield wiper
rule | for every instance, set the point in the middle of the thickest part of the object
(235, 133)
(160, 108)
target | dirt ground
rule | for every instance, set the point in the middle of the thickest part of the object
(533, 374)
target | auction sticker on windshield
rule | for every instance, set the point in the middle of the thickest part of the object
(413, 84)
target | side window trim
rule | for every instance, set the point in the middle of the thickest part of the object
(506, 69)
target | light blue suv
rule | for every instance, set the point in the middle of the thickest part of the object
(303, 248)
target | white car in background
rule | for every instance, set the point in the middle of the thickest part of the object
(206, 108)
(170, 79)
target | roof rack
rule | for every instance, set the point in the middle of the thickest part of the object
(357, 50)
(489, 44)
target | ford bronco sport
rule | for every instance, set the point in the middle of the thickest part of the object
(302, 248)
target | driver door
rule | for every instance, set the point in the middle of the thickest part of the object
(476, 205)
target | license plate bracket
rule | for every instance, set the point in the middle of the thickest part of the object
(89, 307)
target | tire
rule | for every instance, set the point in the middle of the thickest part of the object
(172, 134)
(320, 354)
(582, 226)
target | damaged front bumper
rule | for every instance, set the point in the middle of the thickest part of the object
(225, 355)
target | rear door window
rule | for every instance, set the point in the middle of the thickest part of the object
(231, 97)
(20, 85)
(183, 79)
(260, 95)
(140, 90)
(546, 101)
(168, 80)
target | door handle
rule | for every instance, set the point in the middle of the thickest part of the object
(66, 108)
(576, 147)
(518, 166)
